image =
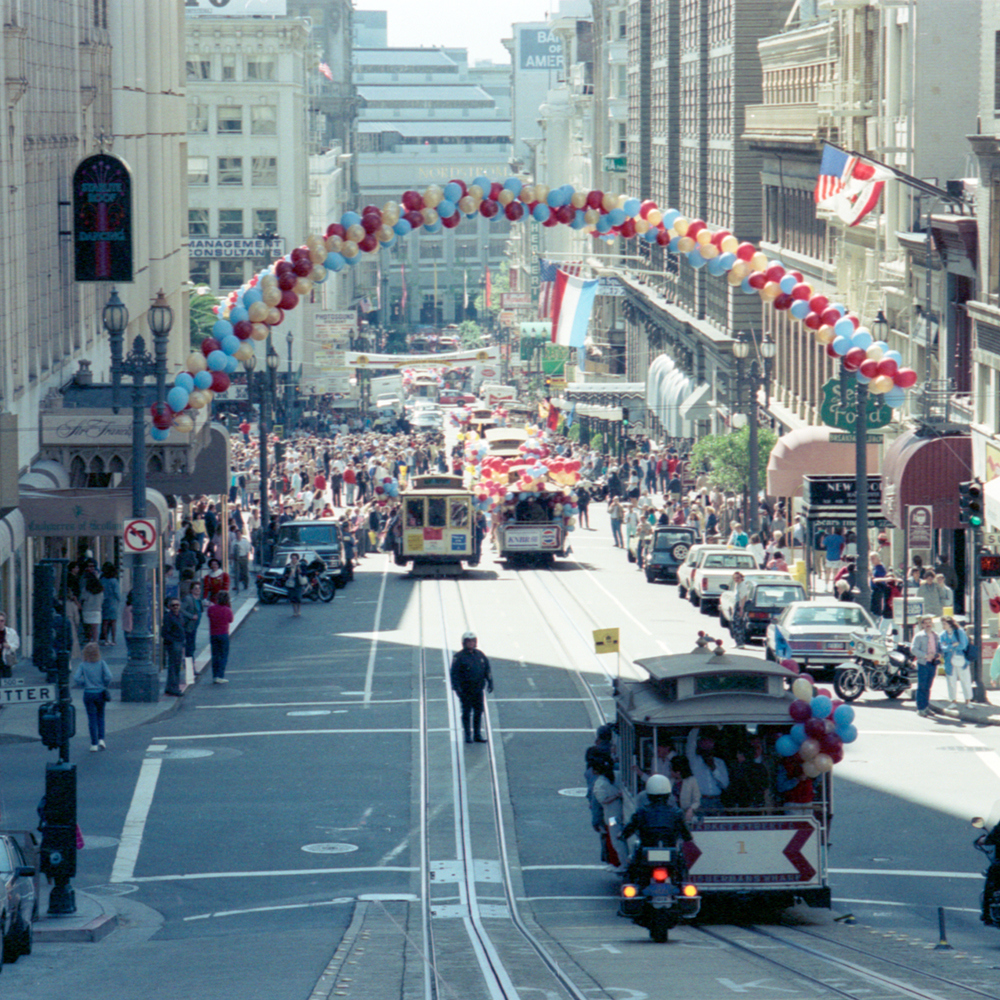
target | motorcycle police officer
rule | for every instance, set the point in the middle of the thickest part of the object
(659, 822)
(470, 673)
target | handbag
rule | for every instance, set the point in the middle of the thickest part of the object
(106, 695)
(9, 658)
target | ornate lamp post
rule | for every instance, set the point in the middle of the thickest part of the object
(115, 322)
(288, 385)
(273, 360)
(759, 374)
(140, 679)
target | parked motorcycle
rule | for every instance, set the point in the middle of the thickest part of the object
(655, 894)
(320, 587)
(877, 663)
(988, 843)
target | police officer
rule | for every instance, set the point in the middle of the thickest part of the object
(470, 673)
(659, 822)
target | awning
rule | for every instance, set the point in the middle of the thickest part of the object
(54, 471)
(81, 512)
(698, 406)
(810, 452)
(925, 470)
(11, 534)
(666, 388)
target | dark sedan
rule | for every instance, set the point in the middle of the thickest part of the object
(19, 902)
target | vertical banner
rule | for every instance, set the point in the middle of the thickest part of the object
(102, 219)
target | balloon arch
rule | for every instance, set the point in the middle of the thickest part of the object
(262, 302)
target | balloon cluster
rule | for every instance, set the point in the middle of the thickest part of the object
(386, 490)
(822, 727)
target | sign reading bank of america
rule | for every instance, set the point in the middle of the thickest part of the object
(222, 246)
(237, 8)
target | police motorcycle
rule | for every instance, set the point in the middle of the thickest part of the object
(320, 586)
(988, 843)
(879, 663)
(655, 894)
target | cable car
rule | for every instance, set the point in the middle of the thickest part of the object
(759, 844)
(438, 526)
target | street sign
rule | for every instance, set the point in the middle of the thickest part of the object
(515, 300)
(606, 640)
(920, 525)
(29, 695)
(849, 438)
(139, 535)
(833, 414)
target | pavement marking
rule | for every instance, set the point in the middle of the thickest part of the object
(300, 704)
(135, 821)
(899, 871)
(358, 732)
(196, 876)
(600, 586)
(887, 902)
(991, 759)
(557, 868)
(339, 901)
(370, 674)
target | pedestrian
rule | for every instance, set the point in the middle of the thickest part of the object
(172, 632)
(10, 643)
(615, 513)
(192, 607)
(294, 580)
(608, 796)
(91, 601)
(220, 617)
(109, 605)
(738, 538)
(926, 651)
(931, 594)
(833, 545)
(243, 562)
(879, 583)
(955, 650)
(94, 676)
(216, 580)
(470, 674)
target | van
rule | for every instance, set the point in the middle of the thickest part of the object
(322, 537)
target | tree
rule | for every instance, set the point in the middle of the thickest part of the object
(499, 282)
(202, 318)
(471, 333)
(727, 457)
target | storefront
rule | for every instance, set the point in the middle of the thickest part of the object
(810, 451)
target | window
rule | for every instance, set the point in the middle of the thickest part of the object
(228, 63)
(230, 221)
(199, 69)
(436, 512)
(230, 119)
(230, 273)
(264, 120)
(197, 170)
(415, 513)
(230, 170)
(200, 272)
(197, 222)
(265, 220)
(459, 513)
(197, 118)
(265, 171)
(260, 68)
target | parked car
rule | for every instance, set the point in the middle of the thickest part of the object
(322, 537)
(817, 633)
(685, 572)
(768, 595)
(711, 571)
(19, 901)
(666, 550)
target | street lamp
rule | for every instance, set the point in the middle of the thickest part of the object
(273, 360)
(288, 385)
(140, 679)
(115, 322)
(752, 380)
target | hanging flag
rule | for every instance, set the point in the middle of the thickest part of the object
(366, 305)
(489, 290)
(378, 284)
(572, 304)
(571, 416)
(547, 270)
(402, 298)
(465, 285)
(848, 185)
(325, 70)
(552, 419)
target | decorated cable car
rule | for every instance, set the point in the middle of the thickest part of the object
(438, 527)
(764, 837)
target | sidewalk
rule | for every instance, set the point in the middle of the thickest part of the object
(19, 723)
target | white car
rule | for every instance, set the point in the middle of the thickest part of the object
(817, 633)
(427, 419)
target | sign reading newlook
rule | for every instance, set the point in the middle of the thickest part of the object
(102, 219)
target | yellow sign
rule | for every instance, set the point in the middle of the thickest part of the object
(362, 360)
(606, 640)
(483, 356)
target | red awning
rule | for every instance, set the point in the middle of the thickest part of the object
(810, 452)
(925, 470)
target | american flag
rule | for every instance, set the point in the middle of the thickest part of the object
(831, 168)
(547, 275)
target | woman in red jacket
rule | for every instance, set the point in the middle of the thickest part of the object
(215, 582)
(220, 617)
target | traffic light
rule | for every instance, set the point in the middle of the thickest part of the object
(56, 723)
(625, 417)
(58, 847)
(970, 503)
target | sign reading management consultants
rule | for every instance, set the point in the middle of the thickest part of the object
(237, 8)
(235, 246)
(102, 219)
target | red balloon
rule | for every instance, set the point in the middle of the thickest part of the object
(283, 266)
(514, 211)
(281, 315)
(220, 382)
(368, 243)
(783, 301)
(455, 218)
(414, 218)
(745, 251)
(628, 228)
(854, 319)
(646, 207)
(774, 273)
(335, 229)
(303, 267)
(567, 213)
(594, 199)
(695, 227)
(371, 210)
(799, 710)
(488, 208)
(830, 316)
(868, 368)
(289, 300)
(887, 367)
(287, 279)
(412, 201)
(662, 238)
(163, 416)
(757, 280)
(813, 321)
(210, 344)
(371, 222)
(854, 358)
(300, 253)
(798, 276)
(830, 352)
(243, 329)
(814, 727)
(905, 378)
(830, 742)
(551, 220)
(495, 188)
(818, 303)
(801, 291)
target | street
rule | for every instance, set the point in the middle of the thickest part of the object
(239, 836)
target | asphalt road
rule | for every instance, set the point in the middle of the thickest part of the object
(238, 834)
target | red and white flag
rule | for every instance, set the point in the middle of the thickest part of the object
(849, 185)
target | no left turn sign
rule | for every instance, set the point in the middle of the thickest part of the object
(140, 535)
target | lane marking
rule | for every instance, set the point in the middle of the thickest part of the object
(601, 587)
(901, 872)
(370, 674)
(990, 759)
(296, 872)
(127, 854)
(355, 732)
(300, 704)
(888, 902)
(340, 901)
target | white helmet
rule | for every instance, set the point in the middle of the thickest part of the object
(658, 784)
(468, 635)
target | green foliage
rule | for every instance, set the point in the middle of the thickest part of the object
(597, 442)
(499, 282)
(470, 333)
(728, 457)
(396, 342)
(574, 432)
(201, 318)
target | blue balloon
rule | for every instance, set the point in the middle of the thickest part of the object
(862, 338)
(231, 344)
(650, 235)
(800, 309)
(844, 328)
(746, 288)
(434, 227)
(786, 746)
(446, 209)
(821, 706)
(798, 733)
(512, 184)
(557, 198)
(222, 328)
(353, 261)
(632, 207)
(401, 227)
(716, 267)
(862, 379)
(893, 356)
(674, 245)
(217, 361)
(617, 216)
(349, 219)
(540, 213)
(695, 259)
(839, 306)
(453, 191)
(895, 397)
(177, 398)
(159, 435)
(334, 261)
(185, 380)
(203, 380)
(238, 314)
(841, 345)
(603, 224)
(670, 216)
(484, 182)
(577, 223)
(787, 283)
(843, 715)
(882, 346)
(726, 259)
(252, 295)
(848, 733)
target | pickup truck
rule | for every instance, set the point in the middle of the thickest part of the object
(712, 566)
(768, 595)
